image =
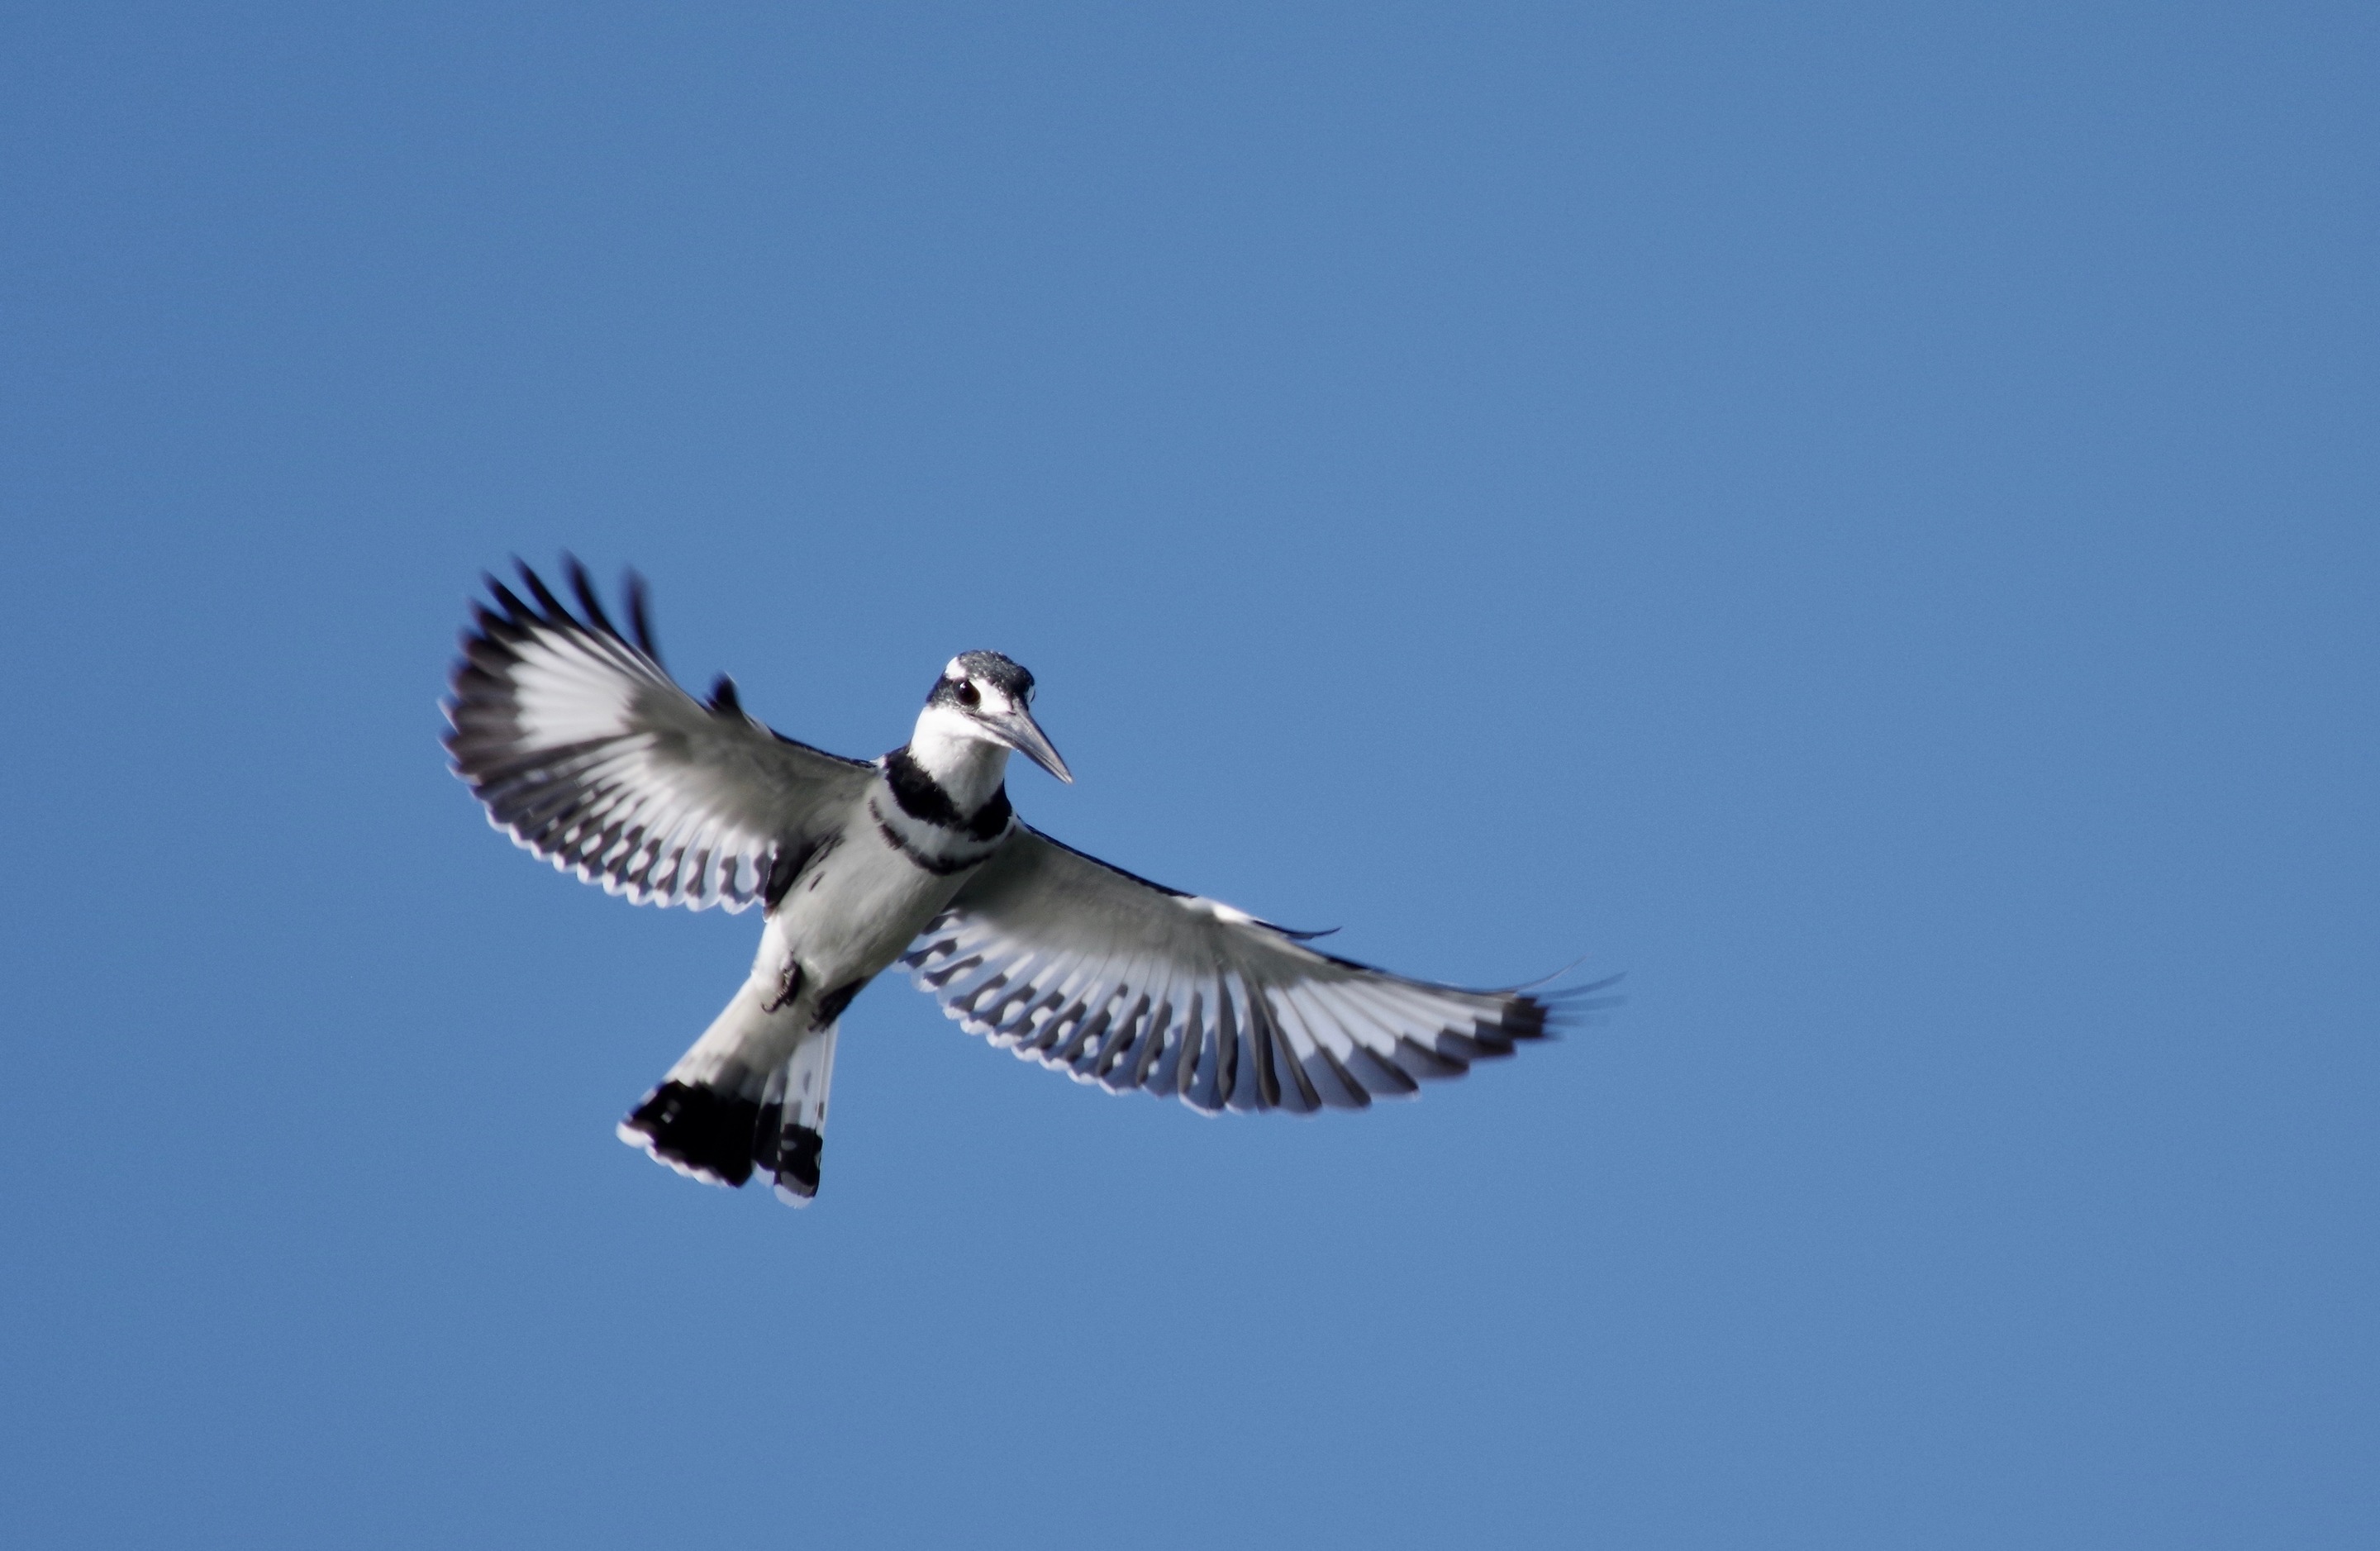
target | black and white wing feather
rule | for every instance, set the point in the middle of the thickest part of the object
(586, 752)
(1082, 966)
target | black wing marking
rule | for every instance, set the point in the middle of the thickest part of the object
(1083, 966)
(587, 753)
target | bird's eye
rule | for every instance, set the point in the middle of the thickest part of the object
(967, 694)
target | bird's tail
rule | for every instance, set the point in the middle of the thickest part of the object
(718, 1121)
(792, 1133)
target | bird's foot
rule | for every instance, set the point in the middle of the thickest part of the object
(789, 985)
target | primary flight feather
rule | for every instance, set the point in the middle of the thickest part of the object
(587, 753)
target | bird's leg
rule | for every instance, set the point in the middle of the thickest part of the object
(789, 985)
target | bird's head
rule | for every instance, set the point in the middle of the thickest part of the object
(984, 698)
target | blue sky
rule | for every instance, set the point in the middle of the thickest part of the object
(1861, 517)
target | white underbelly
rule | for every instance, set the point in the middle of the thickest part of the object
(846, 919)
(852, 915)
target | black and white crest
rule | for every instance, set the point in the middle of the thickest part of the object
(983, 668)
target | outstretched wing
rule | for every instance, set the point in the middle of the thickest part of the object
(1079, 966)
(586, 752)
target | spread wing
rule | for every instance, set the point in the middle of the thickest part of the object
(1079, 966)
(586, 752)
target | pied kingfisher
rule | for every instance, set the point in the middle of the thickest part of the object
(587, 753)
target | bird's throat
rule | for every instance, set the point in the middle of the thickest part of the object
(968, 767)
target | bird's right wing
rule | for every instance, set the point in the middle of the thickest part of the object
(1083, 967)
(586, 752)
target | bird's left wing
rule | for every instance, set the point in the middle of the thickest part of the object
(1118, 981)
(586, 752)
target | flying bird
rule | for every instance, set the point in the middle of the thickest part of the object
(586, 751)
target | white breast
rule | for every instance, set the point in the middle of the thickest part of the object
(859, 907)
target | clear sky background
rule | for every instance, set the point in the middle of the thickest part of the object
(1862, 518)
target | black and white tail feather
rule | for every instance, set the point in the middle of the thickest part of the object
(586, 752)
(723, 1128)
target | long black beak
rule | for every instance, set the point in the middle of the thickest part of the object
(1020, 732)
